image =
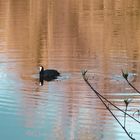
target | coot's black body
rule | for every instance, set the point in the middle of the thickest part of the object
(49, 74)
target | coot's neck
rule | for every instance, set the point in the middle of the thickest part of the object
(42, 69)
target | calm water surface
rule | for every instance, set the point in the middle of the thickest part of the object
(68, 35)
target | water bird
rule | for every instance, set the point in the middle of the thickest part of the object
(48, 74)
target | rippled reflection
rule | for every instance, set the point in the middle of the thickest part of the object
(67, 35)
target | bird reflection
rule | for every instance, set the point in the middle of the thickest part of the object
(47, 75)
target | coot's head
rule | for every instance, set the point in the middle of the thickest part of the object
(41, 68)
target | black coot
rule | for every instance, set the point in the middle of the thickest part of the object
(48, 74)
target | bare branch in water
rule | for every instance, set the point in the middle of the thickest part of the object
(84, 72)
(103, 99)
(125, 76)
(127, 102)
(108, 100)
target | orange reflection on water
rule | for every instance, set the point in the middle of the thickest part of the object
(101, 36)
